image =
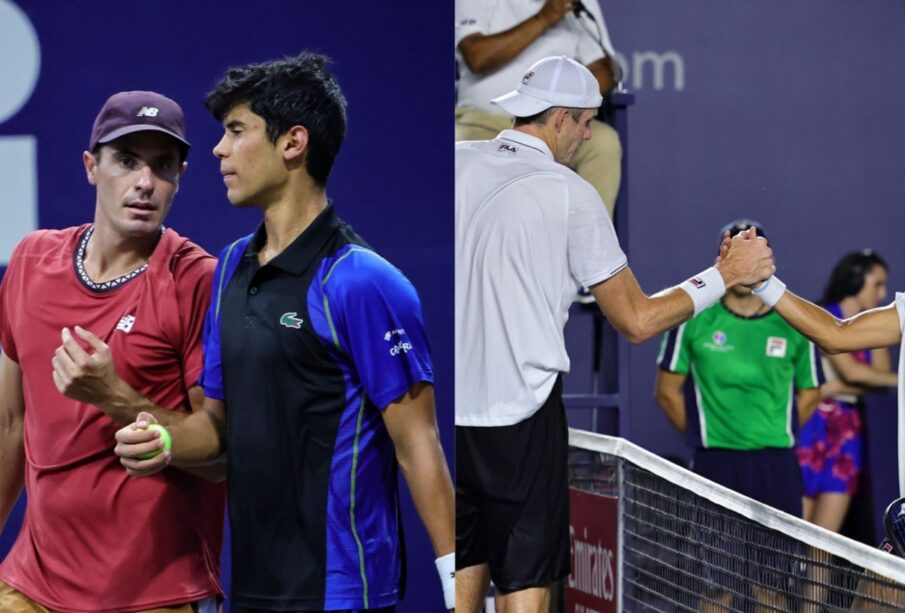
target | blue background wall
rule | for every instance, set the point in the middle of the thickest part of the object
(787, 112)
(791, 113)
(392, 180)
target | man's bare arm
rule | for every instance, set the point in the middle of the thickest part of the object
(92, 378)
(488, 52)
(12, 448)
(412, 424)
(605, 74)
(198, 442)
(807, 400)
(854, 372)
(638, 317)
(868, 330)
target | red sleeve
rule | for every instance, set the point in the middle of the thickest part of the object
(193, 286)
(9, 289)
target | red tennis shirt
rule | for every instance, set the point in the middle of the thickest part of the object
(94, 538)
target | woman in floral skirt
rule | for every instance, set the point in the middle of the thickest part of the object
(829, 448)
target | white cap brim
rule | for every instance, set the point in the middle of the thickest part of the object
(519, 104)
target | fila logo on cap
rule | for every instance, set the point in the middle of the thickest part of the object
(148, 111)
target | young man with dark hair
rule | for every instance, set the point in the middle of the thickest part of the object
(127, 299)
(315, 348)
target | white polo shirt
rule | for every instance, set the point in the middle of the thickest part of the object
(568, 37)
(529, 231)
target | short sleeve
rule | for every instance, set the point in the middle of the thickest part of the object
(212, 374)
(194, 291)
(673, 356)
(471, 17)
(374, 315)
(594, 251)
(10, 287)
(589, 50)
(808, 367)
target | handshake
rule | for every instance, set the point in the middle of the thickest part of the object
(745, 259)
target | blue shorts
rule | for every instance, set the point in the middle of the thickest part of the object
(829, 449)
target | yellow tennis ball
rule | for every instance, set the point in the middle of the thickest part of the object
(164, 436)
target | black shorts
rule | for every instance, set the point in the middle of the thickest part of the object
(512, 498)
(771, 476)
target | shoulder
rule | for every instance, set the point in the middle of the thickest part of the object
(358, 272)
(40, 242)
(43, 248)
(184, 259)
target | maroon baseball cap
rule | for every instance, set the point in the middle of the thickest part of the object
(138, 111)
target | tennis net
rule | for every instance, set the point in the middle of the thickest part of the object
(647, 535)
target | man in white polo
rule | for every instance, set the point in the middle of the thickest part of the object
(497, 41)
(528, 232)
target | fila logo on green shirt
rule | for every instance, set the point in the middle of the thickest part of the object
(291, 321)
(776, 347)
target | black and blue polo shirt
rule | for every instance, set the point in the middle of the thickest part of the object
(306, 351)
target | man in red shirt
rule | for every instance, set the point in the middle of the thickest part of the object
(98, 323)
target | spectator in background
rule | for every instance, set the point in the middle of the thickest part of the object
(829, 449)
(745, 360)
(496, 42)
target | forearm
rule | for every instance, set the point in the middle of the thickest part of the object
(486, 53)
(807, 401)
(123, 404)
(427, 475)
(864, 374)
(868, 330)
(12, 468)
(198, 444)
(673, 406)
(635, 315)
(603, 71)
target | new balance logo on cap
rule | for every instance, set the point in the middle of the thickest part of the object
(148, 111)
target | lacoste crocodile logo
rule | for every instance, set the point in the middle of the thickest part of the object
(291, 321)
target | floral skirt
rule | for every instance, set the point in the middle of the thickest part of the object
(829, 449)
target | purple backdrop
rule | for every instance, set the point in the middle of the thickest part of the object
(789, 113)
(392, 180)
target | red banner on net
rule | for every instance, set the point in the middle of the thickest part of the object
(593, 538)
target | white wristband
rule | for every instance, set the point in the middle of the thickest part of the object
(705, 288)
(446, 568)
(771, 291)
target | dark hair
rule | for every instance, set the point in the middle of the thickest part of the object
(543, 116)
(295, 91)
(847, 277)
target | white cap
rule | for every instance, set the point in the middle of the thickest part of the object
(553, 81)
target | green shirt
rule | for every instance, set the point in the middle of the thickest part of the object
(745, 371)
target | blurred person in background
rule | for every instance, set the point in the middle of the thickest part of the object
(750, 369)
(496, 42)
(829, 447)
